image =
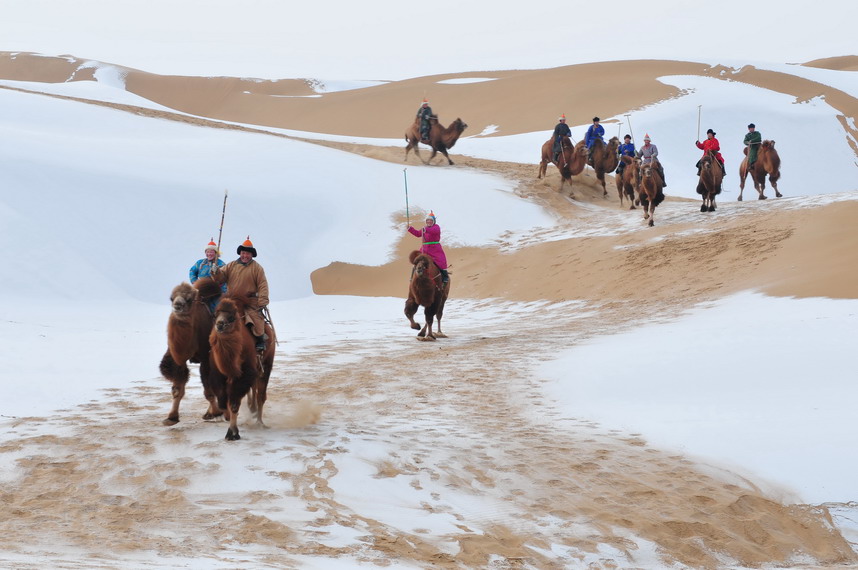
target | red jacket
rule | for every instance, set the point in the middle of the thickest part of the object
(713, 145)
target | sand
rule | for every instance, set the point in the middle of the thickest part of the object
(123, 486)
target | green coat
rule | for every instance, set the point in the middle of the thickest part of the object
(753, 141)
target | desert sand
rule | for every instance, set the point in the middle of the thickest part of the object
(101, 493)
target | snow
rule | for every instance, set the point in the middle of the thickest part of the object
(100, 206)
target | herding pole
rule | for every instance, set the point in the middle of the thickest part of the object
(619, 126)
(698, 122)
(407, 213)
(631, 131)
(220, 232)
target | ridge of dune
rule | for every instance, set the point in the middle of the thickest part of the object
(838, 63)
(513, 102)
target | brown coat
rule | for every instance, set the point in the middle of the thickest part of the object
(247, 281)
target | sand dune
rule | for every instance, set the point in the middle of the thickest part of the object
(103, 491)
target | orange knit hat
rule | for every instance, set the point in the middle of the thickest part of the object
(211, 245)
(247, 245)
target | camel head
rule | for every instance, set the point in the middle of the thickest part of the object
(225, 316)
(421, 265)
(614, 143)
(182, 298)
(460, 125)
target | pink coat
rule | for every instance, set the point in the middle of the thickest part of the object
(431, 243)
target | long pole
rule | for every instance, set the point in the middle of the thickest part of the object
(631, 131)
(619, 127)
(220, 232)
(407, 213)
(698, 122)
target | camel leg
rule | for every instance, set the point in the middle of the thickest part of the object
(214, 410)
(426, 332)
(712, 203)
(742, 175)
(447, 156)
(261, 398)
(178, 375)
(651, 214)
(438, 315)
(232, 431)
(775, 186)
(543, 166)
(410, 309)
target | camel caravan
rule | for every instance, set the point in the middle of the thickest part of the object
(639, 175)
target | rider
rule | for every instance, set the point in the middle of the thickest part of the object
(431, 235)
(423, 113)
(648, 152)
(245, 277)
(711, 143)
(594, 131)
(625, 149)
(753, 140)
(560, 131)
(203, 268)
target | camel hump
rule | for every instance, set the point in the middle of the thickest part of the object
(207, 287)
(412, 256)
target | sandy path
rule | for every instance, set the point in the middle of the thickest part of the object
(462, 420)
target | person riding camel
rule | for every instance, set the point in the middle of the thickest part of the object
(423, 113)
(594, 131)
(711, 143)
(560, 131)
(648, 152)
(431, 235)
(625, 149)
(753, 140)
(203, 268)
(244, 277)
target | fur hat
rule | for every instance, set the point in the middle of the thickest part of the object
(627, 137)
(596, 119)
(646, 137)
(211, 245)
(752, 126)
(430, 215)
(711, 131)
(562, 117)
(247, 246)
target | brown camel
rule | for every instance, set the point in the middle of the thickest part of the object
(709, 184)
(440, 138)
(628, 181)
(604, 159)
(235, 356)
(569, 163)
(651, 190)
(426, 290)
(768, 164)
(188, 341)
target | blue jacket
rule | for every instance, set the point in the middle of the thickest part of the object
(203, 268)
(626, 149)
(594, 133)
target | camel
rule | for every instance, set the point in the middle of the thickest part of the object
(426, 290)
(571, 160)
(709, 184)
(243, 369)
(650, 189)
(188, 341)
(768, 163)
(440, 138)
(605, 159)
(628, 181)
